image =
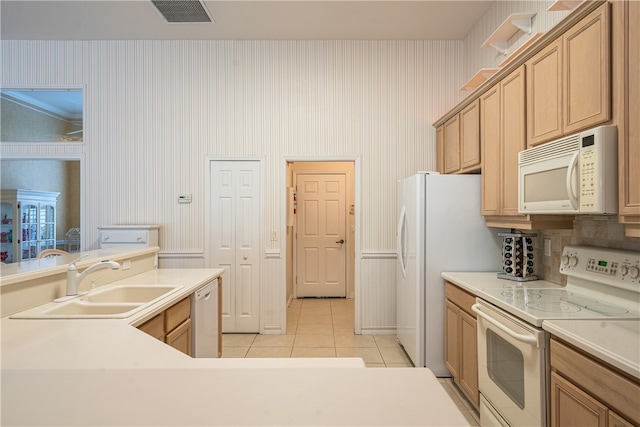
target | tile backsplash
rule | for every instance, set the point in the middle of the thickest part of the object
(602, 231)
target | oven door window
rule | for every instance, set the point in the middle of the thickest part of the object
(505, 365)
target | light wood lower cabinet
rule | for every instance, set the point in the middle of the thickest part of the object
(172, 326)
(586, 392)
(461, 344)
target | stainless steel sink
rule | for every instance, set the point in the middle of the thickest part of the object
(108, 302)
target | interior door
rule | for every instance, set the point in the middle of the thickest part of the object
(235, 240)
(320, 235)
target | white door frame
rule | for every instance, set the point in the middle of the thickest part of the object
(358, 200)
(207, 220)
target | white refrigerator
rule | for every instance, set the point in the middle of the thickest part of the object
(440, 228)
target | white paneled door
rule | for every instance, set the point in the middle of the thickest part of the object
(321, 234)
(235, 240)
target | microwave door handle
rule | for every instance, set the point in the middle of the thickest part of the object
(571, 172)
(527, 339)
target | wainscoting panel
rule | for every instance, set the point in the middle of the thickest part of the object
(376, 296)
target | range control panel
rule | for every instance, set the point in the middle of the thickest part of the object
(613, 267)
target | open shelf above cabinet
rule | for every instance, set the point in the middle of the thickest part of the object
(522, 48)
(478, 78)
(514, 23)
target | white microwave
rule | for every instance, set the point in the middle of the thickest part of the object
(577, 174)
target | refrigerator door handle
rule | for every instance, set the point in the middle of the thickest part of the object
(401, 235)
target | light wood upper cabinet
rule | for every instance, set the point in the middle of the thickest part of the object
(461, 141)
(587, 72)
(502, 127)
(491, 151)
(452, 145)
(470, 136)
(440, 149)
(569, 81)
(513, 136)
(544, 95)
(629, 127)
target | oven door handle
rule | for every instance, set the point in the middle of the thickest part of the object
(528, 339)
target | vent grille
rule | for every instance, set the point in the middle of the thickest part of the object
(550, 150)
(182, 10)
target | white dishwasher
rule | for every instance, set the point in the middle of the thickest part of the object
(204, 321)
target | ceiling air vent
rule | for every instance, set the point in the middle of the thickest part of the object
(182, 10)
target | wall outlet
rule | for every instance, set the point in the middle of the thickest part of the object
(547, 247)
(126, 264)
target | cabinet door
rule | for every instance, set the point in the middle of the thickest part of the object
(451, 355)
(586, 77)
(452, 145)
(629, 139)
(470, 137)
(544, 95)
(571, 406)
(491, 153)
(469, 356)
(180, 337)
(177, 314)
(513, 137)
(616, 420)
(154, 326)
(440, 148)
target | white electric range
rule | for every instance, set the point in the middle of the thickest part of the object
(513, 354)
(601, 284)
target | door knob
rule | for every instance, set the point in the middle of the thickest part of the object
(341, 241)
(245, 257)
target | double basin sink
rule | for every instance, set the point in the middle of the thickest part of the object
(108, 302)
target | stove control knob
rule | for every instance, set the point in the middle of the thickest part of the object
(573, 261)
(634, 272)
(565, 260)
(624, 270)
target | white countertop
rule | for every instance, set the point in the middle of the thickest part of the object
(107, 372)
(616, 342)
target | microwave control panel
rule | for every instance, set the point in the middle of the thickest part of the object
(589, 179)
(598, 171)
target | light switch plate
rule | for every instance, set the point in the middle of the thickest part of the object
(184, 198)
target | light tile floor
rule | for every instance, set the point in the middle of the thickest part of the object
(324, 328)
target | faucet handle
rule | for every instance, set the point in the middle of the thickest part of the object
(73, 263)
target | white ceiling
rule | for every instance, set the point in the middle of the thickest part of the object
(242, 20)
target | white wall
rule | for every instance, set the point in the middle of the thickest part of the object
(156, 109)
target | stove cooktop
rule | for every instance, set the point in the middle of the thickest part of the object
(546, 303)
(601, 284)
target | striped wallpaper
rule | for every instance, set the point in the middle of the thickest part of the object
(155, 110)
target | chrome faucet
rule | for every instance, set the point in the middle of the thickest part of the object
(74, 278)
